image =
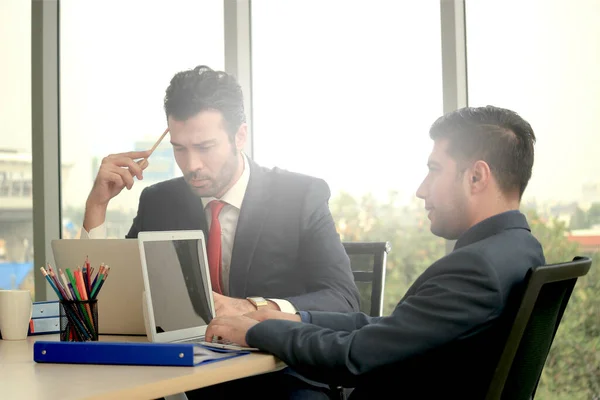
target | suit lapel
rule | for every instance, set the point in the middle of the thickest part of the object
(253, 213)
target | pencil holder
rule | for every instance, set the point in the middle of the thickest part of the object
(78, 320)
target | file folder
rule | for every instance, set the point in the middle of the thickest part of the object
(44, 326)
(45, 309)
(121, 353)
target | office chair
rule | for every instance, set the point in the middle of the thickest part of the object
(368, 261)
(545, 297)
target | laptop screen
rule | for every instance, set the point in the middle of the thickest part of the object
(179, 287)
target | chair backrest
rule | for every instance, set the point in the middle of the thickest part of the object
(546, 294)
(367, 260)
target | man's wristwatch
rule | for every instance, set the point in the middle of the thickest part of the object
(258, 302)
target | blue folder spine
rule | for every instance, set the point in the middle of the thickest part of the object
(124, 353)
(156, 354)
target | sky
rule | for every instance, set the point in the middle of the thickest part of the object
(346, 96)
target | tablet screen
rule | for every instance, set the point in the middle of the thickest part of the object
(179, 287)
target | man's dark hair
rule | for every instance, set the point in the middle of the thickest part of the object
(202, 89)
(498, 136)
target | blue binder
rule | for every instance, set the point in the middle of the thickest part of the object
(121, 353)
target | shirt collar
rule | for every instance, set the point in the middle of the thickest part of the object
(235, 195)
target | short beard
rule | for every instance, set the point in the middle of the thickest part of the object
(222, 180)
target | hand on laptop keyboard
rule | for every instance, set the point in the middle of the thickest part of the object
(220, 340)
(223, 344)
(215, 340)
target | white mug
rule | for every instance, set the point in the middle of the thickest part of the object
(15, 314)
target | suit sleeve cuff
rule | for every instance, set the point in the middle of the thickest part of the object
(305, 317)
(98, 232)
(285, 306)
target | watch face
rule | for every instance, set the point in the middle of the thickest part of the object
(258, 301)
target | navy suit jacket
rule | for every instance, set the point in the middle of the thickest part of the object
(444, 337)
(286, 245)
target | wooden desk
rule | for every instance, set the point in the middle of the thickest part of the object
(22, 378)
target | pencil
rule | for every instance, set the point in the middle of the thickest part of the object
(97, 284)
(67, 284)
(144, 161)
(100, 271)
(84, 296)
(95, 293)
(73, 284)
(158, 141)
(51, 282)
(78, 295)
(50, 274)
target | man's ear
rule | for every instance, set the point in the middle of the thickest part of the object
(241, 136)
(481, 174)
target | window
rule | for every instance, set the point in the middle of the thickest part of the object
(540, 58)
(16, 188)
(116, 60)
(16, 227)
(346, 91)
(27, 188)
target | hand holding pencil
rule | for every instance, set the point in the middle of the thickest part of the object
(116, 172)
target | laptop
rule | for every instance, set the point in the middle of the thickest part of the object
(178, 294)
(120, 300)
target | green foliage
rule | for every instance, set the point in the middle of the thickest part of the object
(573, 366)
(413, 247)
(551, 234)
(584, 220)
(594, 214)
(579, 220)
(572, 369)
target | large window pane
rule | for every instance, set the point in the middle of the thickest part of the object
(16, 228)
(346, 91)
(541, 59)
(116, 60)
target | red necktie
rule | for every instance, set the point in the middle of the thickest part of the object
(214, 245)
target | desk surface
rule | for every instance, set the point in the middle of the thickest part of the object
(22, 378)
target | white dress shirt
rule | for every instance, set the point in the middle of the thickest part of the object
(228, 218)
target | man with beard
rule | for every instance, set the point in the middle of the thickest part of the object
(271, 238)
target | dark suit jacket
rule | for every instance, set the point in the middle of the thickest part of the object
(286, 245)
(444, 336)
